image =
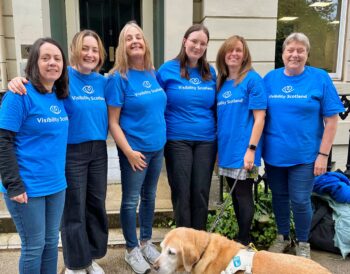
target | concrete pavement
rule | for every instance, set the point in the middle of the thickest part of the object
(113, 262)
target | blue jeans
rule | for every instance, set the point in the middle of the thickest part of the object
(292, 187)
(84, 221)
(189, 166)
(37, 224)
(138, 185)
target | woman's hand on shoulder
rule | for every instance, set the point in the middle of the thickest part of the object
(22, 198)
(136, 160)
(16, 85)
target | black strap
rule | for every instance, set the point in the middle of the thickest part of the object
(318, 215)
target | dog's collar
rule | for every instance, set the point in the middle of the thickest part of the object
(243, 260)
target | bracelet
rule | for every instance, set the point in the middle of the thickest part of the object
(323, 154)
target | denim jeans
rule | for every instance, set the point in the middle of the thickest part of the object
(291, 188)
(190, 167)
(139, 185)
(37, 224)
(84, 228)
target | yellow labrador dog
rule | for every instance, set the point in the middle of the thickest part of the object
(200, 252)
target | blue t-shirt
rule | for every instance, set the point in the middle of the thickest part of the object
(41, 125)
(235, 105)
(142, 103)
(86, 107)
(190, 112)
(295, 111)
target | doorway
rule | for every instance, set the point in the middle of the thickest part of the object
(107, 18)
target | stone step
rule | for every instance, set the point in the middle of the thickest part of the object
(163, 210)
(115, 238)
(161, 216)
(163, 206)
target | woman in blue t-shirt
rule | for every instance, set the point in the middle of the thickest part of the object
(136, 105)
(241, 104)
(301, 123)
(84, 221)
(33, 140)
(190, 151)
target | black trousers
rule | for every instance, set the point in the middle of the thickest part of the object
(243, 205)
(190, 167)
(84, 228)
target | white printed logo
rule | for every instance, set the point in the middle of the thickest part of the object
(146, 84)
(88, 89)
(195, 81)
(287, 89)
(55, 109)
(227, 94)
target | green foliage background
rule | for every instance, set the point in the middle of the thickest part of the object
(263, 230)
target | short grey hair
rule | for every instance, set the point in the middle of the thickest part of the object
(297, 37)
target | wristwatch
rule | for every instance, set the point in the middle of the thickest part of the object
(252, 147)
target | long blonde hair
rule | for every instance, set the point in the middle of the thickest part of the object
(121, 63)
(221, 66)
(77, 46)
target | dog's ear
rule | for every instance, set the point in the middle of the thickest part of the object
(189, 256)
(201, 240)
(194, 248)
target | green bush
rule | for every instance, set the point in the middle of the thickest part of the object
(263, 230)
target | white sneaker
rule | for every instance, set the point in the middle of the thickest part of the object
(302, 249)
(136, 261)
(280, 245)
(94, 268)
(78, 271)
(150, 252)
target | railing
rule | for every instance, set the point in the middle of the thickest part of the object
(346, 102)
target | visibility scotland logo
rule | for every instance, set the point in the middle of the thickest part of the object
(146, 84)
(227, 94)
(195, 81)
(55, 109)
(88, 89)
(287, 89)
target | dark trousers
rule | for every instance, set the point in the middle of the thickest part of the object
(84, 223)
(190, 167)
(243, 205)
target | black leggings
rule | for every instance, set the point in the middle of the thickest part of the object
(243, 205)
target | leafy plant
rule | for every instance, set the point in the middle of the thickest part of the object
(165, 222)
(227, 225)
(263, 230)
